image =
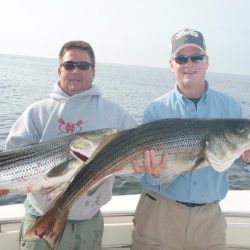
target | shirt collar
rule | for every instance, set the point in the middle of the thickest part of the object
(184, 99)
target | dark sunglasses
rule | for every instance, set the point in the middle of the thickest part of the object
(82, 65)
(181, 59)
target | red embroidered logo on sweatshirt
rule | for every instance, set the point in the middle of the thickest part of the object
(69, 127)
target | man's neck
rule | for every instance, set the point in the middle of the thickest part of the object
(193, 90)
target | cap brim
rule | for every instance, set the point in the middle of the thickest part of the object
(187, 45)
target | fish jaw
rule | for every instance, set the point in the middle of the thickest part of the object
(221, 163)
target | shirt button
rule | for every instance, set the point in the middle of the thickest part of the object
(194, 183)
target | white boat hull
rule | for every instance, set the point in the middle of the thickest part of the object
(118, 216)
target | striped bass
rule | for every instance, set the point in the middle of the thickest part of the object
(189, 143)
(43, 166)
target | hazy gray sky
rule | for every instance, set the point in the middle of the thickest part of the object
(136, 32)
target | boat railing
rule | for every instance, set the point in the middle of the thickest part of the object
(118, 221)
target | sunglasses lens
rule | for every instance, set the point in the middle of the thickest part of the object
(197, 58)
(83, 65)
(68, 65)
(181, 59)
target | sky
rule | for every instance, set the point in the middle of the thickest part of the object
(134, 32)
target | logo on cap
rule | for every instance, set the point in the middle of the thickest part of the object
(186, 33)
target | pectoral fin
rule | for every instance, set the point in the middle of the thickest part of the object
(63, 168)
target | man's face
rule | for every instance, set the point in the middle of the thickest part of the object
(190, 74)
(75, 81)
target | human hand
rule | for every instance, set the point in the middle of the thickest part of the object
(151, 164)
(246, 156)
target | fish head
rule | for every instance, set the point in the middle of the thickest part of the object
(86, 143)
(238, 133)
(227, 142)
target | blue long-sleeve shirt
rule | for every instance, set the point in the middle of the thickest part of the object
(202, 185)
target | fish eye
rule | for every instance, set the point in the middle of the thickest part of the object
(241, 129)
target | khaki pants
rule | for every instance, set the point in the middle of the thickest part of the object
(84, 235)
(163, 224)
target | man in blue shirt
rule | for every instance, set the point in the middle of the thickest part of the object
(185, 215)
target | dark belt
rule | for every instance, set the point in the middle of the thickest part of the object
(188, 204)
(191, 204)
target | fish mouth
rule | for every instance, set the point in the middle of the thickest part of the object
(80, 156)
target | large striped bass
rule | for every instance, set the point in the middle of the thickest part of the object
(43, 166)
(189, 143)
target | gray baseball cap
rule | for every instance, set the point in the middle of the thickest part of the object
(187, 37)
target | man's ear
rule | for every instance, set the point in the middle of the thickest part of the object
(207, 63)
(93, 73)
(171, 65)
(59, 71)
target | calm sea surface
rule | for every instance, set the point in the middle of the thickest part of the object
(24, 80)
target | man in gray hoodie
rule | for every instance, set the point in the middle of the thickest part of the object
(74, 105)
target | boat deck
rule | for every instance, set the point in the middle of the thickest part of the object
(118, 215)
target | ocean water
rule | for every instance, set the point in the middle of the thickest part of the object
(24, 80)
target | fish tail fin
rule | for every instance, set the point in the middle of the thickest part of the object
(51, 225)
